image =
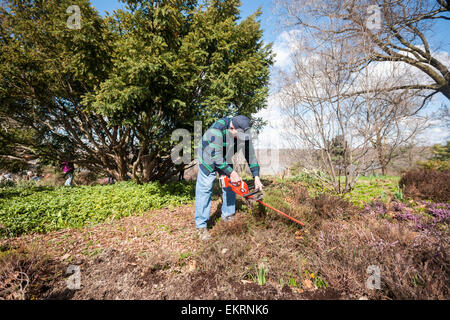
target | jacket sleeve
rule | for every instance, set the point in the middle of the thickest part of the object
(217, 143)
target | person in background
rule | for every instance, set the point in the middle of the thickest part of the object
(111, 179)
(29, 175)
(69, 173)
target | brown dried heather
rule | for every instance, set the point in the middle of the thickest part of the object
(413, 265)
(426, 184)
(232, 258)
(300, 194)
(235, 227)
(328, 206)
(340, 242)
(26, 273)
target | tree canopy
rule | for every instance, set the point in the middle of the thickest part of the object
(109, 95)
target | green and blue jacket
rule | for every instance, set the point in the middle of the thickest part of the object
(218, 146)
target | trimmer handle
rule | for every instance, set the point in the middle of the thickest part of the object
(223, 182)
(238, 188)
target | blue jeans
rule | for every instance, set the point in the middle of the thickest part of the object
(69, 179)
(203, 193)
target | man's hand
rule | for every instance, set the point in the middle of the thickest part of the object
(235, 178)
(258, 184)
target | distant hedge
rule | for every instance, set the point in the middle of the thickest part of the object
(426, 184)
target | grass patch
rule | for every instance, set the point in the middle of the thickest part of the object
(368, 189)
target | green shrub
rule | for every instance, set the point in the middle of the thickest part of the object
(438, 165)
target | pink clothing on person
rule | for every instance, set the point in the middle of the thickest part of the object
(67, 167)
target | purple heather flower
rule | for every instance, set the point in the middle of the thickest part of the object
(376, 207)
(398, 206)
(406, 216)
(440, 212)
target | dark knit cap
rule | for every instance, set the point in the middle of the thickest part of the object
(242, 124)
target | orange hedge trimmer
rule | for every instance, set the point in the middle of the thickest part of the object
(256, 195)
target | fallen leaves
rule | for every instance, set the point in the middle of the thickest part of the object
(65, 257)
(307, 284)
(192, 265)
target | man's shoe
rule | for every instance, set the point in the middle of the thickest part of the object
(203, 234)
(229, 218)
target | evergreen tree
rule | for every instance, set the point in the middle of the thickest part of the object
(441, 152)
(108, 96)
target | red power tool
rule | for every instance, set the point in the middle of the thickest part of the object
(256, 195)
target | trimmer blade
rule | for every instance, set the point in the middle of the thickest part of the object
(254, 196)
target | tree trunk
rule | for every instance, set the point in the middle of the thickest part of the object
(445, 90)
(382, 158)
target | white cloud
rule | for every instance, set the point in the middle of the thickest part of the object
(284, 47)
(271, 136)
(435, 135)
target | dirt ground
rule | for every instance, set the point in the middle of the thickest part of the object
(155, 256)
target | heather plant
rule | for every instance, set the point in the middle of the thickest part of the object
(24, 271)
(407, 216)
(440, 212)
(344, 251)
(434, 214)
(332, 206)
(376, 207)
(423, 184)
(409, 244)
(402, 212)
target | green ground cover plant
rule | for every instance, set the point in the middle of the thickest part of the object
(43, 209)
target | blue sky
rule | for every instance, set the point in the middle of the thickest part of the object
(106, 5)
